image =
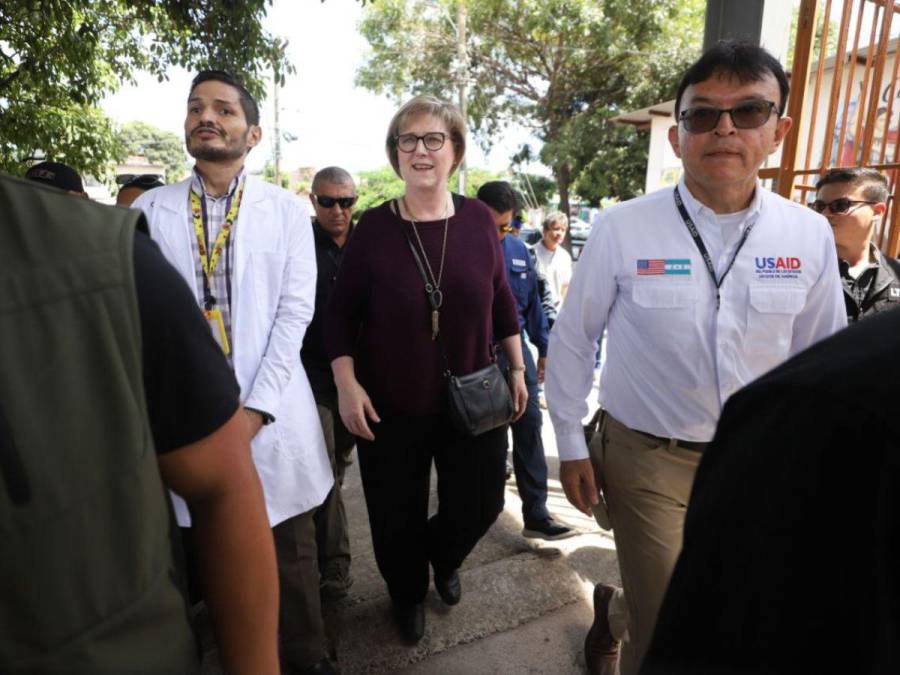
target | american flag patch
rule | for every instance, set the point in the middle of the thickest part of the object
(649, 266)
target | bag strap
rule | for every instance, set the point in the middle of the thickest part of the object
(427, 287)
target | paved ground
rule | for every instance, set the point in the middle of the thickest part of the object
(525, 607)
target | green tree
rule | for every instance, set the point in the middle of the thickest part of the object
(268, 175)
(380, 185)
(375, 187)
(157, 145)
(538, 190)
(475, 178)
(59, 58)
(830, 44)
(553, 65)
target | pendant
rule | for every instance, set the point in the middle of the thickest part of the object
(434, 324)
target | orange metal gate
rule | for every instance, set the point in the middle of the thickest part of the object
(843, 100)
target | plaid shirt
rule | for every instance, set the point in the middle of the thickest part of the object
(216, 210)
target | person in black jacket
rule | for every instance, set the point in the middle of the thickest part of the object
(333, 196)
(854, 200)
(791, 557)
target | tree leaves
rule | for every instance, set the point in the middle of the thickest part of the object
(560, 67)
(60, 58)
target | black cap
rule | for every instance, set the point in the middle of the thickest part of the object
(144, 181)
(57, 174)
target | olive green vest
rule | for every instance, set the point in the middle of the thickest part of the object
(86, 569)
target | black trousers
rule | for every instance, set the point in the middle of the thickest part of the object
(396, 470)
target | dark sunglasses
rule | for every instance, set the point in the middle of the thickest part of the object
(144, 180)
(329, 202)
(749, 115)
(839, 205)
(433, 140)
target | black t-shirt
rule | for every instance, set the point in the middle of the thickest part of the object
(189, 387)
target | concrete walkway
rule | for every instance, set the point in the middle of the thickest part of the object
(526, 604)
(525, 608)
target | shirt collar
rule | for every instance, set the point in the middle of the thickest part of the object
(696, 208)
(325, 238)
(199, 186)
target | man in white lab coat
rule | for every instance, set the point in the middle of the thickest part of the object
(246, 248)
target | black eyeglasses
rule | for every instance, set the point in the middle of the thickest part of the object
(749, 115)
(433, 140)
(144, 180)
(329, 202)
(840, 205)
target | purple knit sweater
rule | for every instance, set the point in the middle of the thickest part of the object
(378, 312)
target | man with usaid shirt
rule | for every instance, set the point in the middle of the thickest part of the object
(703, 288)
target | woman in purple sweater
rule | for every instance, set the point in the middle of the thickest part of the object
(388, 367)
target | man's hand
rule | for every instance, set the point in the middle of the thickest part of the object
(577, 478)
(519, 392)
(541, 368)
(238, 574)
(254, 422)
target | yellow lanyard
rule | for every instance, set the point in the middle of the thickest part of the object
(207, 263)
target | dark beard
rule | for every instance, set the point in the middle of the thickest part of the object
(210, 154)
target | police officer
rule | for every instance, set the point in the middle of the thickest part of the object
(528, 449)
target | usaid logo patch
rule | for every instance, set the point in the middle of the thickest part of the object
(778, 268)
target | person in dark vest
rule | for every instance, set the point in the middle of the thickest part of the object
(333, 196)
(529, 461)
(791, 556)
(854, 200)
(109, 381)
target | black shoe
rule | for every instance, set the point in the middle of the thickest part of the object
(448, 587)
(411, 621)
(547, 529)
(323, 667)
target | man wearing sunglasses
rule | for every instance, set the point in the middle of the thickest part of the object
(133, 186)
(333, 196)
(703, 288)
(854, 200)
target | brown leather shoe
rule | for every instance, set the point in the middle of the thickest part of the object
(601, 649)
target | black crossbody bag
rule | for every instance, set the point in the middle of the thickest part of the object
(479, 401)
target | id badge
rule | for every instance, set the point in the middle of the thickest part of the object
(217, 326)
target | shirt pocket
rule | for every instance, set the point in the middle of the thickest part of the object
(664, 296)
(519, 281)
(770, 318)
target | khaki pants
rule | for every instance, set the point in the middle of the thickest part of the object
(301, 628)
(647, 485)
(332, 534)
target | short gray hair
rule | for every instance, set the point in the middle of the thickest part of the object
(555, 217)
(333, 174)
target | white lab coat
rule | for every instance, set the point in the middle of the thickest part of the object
(273, 299)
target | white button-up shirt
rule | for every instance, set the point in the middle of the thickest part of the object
(672, 358)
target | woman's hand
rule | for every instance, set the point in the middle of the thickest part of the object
(519, 393)
(354, 404)
(355, 407)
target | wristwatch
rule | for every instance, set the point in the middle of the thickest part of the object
(266, 417)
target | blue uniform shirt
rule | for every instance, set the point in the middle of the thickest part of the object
(522, 277)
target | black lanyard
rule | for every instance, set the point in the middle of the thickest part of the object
(698, 241)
